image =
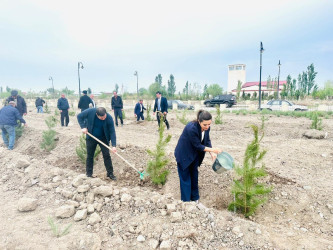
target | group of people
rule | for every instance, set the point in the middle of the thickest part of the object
(190, 151)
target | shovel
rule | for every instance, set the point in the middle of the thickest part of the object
(142, 174)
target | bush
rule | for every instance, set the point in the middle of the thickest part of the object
(218, 119)
(81, 150)
(124, 115)
(156, 167)
(316, 121)
(46, 109)
(183, 118)
(248, 193)
(148, 112)
(71, 113)
(48, 142)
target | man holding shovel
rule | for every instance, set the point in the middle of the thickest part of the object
(98, 123)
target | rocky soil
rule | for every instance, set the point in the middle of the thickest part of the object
(132, 214)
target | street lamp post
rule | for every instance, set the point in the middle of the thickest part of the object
(51, 79)
(278, 87)
(261, 51)
(79, 65)
(137, 82)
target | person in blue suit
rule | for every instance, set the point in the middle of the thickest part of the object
(138, 110)
(161, 105)
(190, 151)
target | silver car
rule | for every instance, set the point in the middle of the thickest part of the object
(283, 105)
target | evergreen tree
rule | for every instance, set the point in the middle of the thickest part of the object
(248, 192)
(183, 118)
(89, 91)
(218, 119)
(239, 88)
(311, 75)
(81, 150)
(48, 142)
(156, 167)
(158, 79)
(171, 86)
(205, 93)
(148, 112)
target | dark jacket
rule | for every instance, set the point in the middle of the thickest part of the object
(116, 103)
(9, 116)
(189, 145)
(62, 104)
(137, 109)
(20, 104)
(39, 102)
(164, 105)
(84, 102)
(89, 116)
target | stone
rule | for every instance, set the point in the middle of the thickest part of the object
(78, 180)
(90, 208)
(176, 217)
(94, 219)
(65, 211)
(73, 203)
(22, 163)
(171, 208)
(83, 188)
(27, 204)
(67, 194)
(126, 197)
(236, 230)
(96, 182)
(165, 245)
(140, 238)
(103, 190)
(90, 198)
(80, 215)
(307, 187)
(153, 243)
(258, 231)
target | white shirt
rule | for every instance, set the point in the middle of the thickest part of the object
(159, 104)
(202, 135)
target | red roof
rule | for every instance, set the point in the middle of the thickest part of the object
(250, 84)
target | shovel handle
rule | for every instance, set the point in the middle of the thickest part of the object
(111, 150)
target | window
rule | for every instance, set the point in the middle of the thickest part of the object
(275, 103)
(231, 67)
(239, 67)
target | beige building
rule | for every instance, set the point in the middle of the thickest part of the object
(236, 72)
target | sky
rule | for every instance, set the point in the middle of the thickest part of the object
(193, 40)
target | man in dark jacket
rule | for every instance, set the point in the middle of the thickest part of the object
(39, 104)
(84, 101)
(19, 102)
(8, 121)
(161, 106)
(138, 110)
(63, 106)
(100, 124)
(117, 106)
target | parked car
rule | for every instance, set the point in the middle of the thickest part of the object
(221, 99)
(180, 105)
(275, 105)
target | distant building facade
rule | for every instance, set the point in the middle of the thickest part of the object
(267, 88)
(236, 72)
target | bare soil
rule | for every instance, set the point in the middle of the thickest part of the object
(297, 215)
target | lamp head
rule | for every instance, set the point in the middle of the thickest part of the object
(279, 63)
(135, 73)
(261, 47)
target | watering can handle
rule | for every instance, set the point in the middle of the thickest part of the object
(111, 149)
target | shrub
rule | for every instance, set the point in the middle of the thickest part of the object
(156, 167)
(56, 112)
(71, 113)
(218, 118)
(316, 121)
(46, 109)
(248, 192)
(81, 150)
(149, 112)
(183, 118)
(48, 143)
(124, 115)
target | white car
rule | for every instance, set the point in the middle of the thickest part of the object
(283, 105)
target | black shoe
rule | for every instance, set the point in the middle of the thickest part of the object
(112, 177)
(90, 176)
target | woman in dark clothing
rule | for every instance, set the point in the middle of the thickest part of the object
(190, 151)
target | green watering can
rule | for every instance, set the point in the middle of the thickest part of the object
(223, 162)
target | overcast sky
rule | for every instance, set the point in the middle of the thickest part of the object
(193, 40)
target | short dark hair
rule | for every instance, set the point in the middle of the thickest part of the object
(14, 93)
(85, 92)
(101, 111)
(158, 92)
(203, 115)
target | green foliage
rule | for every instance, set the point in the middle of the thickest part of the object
(183, 118)
(18, 130)
(171, 86)
(158, 80)
(327, 91)
(248, 192)
(71, 113)
(239, 88)
(48, 142)
(57, 232)
(214, 90)
(316, 121)
(154, 87)
(149, 112)
(46, 109)
(81, 150)
(156, 167)
(56, 112)
(51, 122)
(218, 118)
(123, 114)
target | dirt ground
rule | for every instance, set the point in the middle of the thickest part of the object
(297, 215)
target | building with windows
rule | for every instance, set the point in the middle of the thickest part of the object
(236, 72)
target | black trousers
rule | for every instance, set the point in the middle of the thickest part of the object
(118, 112)
(91, 147)
(64, 116)
(164, 117)
(140, 116)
